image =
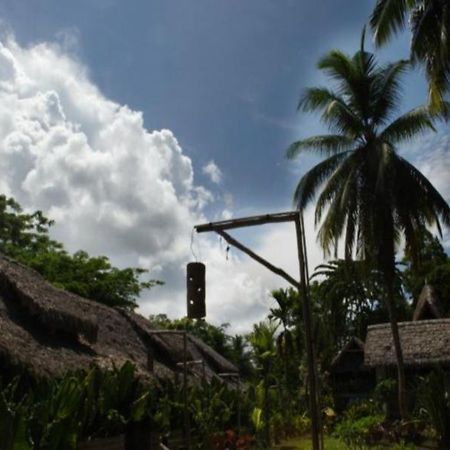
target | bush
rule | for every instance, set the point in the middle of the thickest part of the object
(434, 404)
(360, 424)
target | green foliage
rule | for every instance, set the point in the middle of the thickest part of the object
(212, 407)
(56, 415)
(434, 403)
(429, 22)
(432, 267)
(359, 424)
(13, 420)
(368, 196)
(25, 237)
(385, 391)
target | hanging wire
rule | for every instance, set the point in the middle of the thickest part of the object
(192, 245)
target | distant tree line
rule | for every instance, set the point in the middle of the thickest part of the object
(25, 237)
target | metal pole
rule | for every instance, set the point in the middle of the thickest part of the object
(304, 295)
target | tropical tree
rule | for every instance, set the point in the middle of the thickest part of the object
(346, 299)
(262, 341)
(418, 273)
(370, 197)
(26, 238)
(285, 299)
(283, 315)
(430, 41)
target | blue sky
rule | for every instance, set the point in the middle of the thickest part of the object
(223, 76)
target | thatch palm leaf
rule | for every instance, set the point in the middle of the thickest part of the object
(369, 196)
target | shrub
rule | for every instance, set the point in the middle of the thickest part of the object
(434, 403)
(360, 424)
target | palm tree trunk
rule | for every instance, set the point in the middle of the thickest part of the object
(402, 399)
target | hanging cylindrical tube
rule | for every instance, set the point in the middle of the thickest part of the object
(195, 283)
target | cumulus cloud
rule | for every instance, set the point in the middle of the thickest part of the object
(114, 187)
(118, 189)
(213, 171)
(431, 157)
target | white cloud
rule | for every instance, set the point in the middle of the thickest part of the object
(213, 171)
(431, 157)
(117, 189)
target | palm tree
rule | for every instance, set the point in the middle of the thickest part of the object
(372, 197)
(262, 340)
(283, 314)
(350, 294)
(285, 299)
(430, 43)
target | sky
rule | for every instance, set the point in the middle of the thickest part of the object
(130, 122)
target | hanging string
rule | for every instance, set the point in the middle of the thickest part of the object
(192, 245)
(227, 248)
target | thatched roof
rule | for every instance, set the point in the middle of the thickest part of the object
(427, 305)
(350, 358)
(424, 343)
(48, 332)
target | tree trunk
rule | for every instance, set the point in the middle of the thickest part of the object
(402, 400)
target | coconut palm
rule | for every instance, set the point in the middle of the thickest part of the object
(430, 43)
(370, 196)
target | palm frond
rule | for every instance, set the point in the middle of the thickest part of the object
(387, 92)
(325, 145)
(408, 126)
(338, 66)
(428, 202)
(388, 18)
(338, 178)
(311, 180)
(430, 46)
(335, 112)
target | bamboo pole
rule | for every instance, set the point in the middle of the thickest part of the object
(306, 305)
(187, 431)
(302, 286)
(262, 261)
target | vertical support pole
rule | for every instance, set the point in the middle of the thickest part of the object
(187, 431)
(239, 405)
(304, 295)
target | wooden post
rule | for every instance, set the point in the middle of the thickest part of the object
(302, 286)
(187, 431)
(186, 424)
(306, 305)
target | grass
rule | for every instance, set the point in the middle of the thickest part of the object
(330, 443)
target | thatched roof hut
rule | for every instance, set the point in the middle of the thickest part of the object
(350, 358)
(424, 344)
(427, 306)
(351, 380)
(47, 332)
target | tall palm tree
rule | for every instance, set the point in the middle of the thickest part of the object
(370, 196)
(430, 42)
